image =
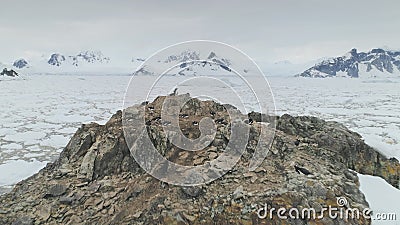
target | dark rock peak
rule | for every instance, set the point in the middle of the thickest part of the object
(138, 60)
(187, 55)
(378, 50)
(20, 63)
(56, 59)
(10, 73)
(212, 55)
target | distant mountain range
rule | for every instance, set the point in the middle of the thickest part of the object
(375, 63)
(76, 60)
(57, 63)
(95, 62)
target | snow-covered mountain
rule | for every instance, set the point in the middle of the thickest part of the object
(85, 57)
(375, 63)
(84, 62)
(189, 63)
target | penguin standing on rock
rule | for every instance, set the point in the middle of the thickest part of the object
(174, 93)
(184, 116)
(301, 170)
(219, 121)
(249, 121)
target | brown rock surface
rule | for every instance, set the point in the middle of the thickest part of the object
(96, 181)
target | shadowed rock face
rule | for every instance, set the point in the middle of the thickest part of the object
(96, 181)
(20, 63)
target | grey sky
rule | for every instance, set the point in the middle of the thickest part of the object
(270, 31)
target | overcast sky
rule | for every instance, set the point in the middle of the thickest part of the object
(293, 30)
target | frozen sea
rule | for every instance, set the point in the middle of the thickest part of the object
(40, 113)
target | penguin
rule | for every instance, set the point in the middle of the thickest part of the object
(144, 103)
(151, 108)
(212, 113)
(301, 170)
(184, 116)
(195, 123)
(174, 93)
(157, 119)
(166, 123)
(297, 142)
(249, 121)
(219, 121)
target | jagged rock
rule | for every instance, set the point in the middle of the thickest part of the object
(20, 63)
(238, 193)
(56, 59)
(66, 200)
(98, 181)
(44, 213)
(10, 73)
(56, 190)
(24, 220)
(194, 191)
(87, 166)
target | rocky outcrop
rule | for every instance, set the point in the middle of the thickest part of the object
(354, 63)
(336, 142)
(20, 63)
(56, 59)
(96, 180)
(10, 73)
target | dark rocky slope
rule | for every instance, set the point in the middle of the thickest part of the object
(96, 181)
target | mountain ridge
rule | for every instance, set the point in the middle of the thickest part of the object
(376, 62)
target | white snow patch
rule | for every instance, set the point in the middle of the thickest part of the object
(14, 171)
(381, 196)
